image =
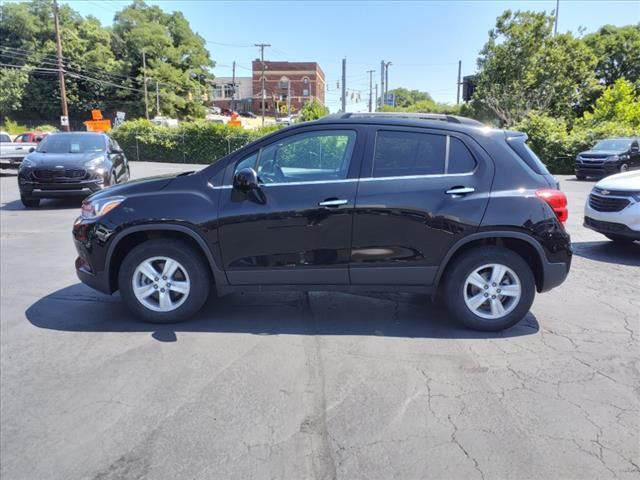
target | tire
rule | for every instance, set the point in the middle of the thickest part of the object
(457, 290)
(624, 168)
(581, 177)
(192, 270)
(30, 202)
(619, 239)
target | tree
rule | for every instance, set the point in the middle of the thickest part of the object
(523, 68)
(12, 83)
(313, 110)
(618, 53)
(619, 104)
(176, 58)
(405, 98)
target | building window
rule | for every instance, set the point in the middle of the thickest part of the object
(284, 83)
(305, 80)
(305, 92)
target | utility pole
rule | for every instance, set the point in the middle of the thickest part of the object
(376, 96)
(555, 23)
(459, 81)
(157, 99)
(263, 95)
(370, 72)
(63, 92)
(386, 78)
(233, 85)
(146, 93)
(344, 85)
(289, 98)
(382, 68)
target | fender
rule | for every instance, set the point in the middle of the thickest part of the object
(219, 276)
(490, 234)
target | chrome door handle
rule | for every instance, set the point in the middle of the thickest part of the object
(460, 190)
(333, 203)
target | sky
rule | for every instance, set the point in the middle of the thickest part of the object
(423, 40)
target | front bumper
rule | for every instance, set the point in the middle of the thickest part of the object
(59, 189)
(90, 239)
(624, 223)
(597, 170)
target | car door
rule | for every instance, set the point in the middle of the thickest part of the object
(295, 228)
(421, 190)
(115, 157)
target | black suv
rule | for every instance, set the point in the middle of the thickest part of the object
(71, 164)
(352, 202)
(613, 155)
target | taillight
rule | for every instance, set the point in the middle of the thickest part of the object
(556, 200)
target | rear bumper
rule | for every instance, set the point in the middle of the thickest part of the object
(554, 274)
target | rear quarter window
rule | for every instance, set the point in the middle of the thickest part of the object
(518, 144)
(460, 158)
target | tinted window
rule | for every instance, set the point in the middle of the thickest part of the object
(406, 153)
(72, 143)
(460, 158)
(307, 157)
(615, 144)
(247, 162)
(5, 138)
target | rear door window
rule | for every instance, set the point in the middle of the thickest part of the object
(400, 154)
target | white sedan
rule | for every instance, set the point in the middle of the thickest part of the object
(613, 207)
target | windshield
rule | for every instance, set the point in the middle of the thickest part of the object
(617, 144)
(72, 143)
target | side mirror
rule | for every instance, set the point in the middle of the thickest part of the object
(32, 149)
(245, 179)
(115, 151)
(635, 149)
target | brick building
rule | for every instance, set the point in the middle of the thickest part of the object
(294, 82)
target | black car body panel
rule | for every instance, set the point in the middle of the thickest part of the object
(46, 174)
(397, 233)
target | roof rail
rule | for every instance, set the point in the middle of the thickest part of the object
(409, 116)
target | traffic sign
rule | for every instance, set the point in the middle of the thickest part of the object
(64, 120)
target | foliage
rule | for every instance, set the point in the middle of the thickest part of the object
(104, 65)
(312, 110)
(617, 50)
(405, 97)
(12, 127)
(12, 83)
(190, 142)
(524, 68)
(615, 114)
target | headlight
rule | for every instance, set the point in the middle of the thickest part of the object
(613, 158)
(26, 163)
(95, 163)
(98, 208)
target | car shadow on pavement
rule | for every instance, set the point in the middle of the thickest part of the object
(77, 308)
(45, 204)
(609, 252)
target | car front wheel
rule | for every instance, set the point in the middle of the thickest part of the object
(489, 288)
(30, 202)
(164, 281)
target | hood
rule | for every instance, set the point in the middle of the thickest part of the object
(134, 187)
(603, 153)
(43, 159)
(628, 181)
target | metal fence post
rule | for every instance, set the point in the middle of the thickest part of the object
(184, 154)
(137, 149)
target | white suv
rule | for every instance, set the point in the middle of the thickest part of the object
(613, 207)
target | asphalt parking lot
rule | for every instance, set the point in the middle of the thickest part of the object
(317, 385)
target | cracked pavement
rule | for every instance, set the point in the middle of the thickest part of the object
(317, 385)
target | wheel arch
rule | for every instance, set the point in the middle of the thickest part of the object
(133, 236)
(520, 243)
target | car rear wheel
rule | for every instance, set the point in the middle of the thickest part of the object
(489, 288)
(164, 281)
(30, 202)
(624, 168)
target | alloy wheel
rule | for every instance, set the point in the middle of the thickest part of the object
(161, 284)
(492, 291)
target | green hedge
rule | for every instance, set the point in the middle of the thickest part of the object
(190, 142)
(557, 145)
